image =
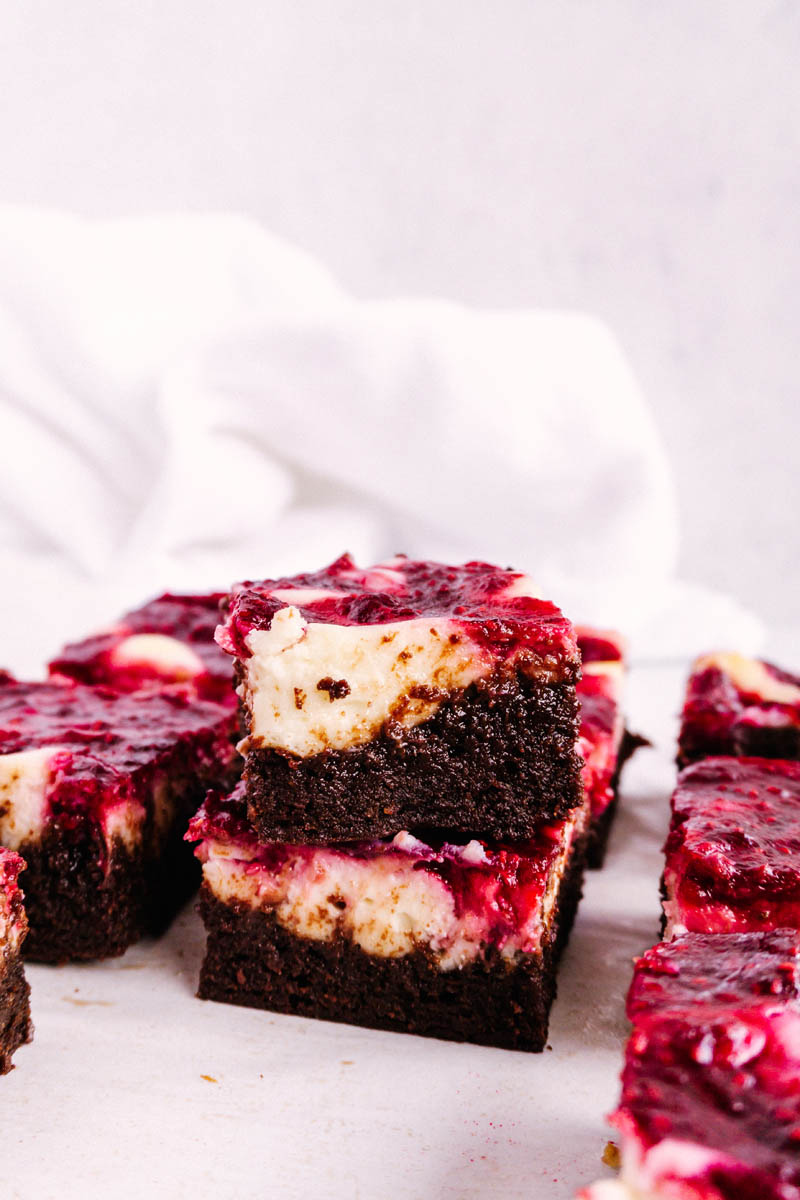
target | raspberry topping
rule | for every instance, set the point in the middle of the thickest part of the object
(733, 851)
(728, 969)
(190, 620)
(726, 1077)
(476, 598)
(101, 738)
(727, 697)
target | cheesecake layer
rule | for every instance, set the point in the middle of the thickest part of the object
(391, 897)
(96, 788)
(742, 707)
(733, 851)
(168, 640)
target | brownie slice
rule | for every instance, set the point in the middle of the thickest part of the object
(742, 707)
(15, 1012)
(733, 850)
(417, 936)
(710, 1107)
(725, 969)
(168, 640)
(96, 789)
(408, 694)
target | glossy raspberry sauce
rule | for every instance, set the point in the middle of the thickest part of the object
(733, 850)
(724, 1080)
(190, 620)
(501, 884)
(470, 596)
(111, 746)
(727, 969)
(718, 716)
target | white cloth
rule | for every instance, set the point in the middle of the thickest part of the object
(186, 401)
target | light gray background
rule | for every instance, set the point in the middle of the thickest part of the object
(636, 159)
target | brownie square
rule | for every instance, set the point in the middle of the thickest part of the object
(409, 694)
(733, 850)
(168, 640)
(710, 1103)
(742, 707)
(725, 969)
(96, 788)
(417, 936)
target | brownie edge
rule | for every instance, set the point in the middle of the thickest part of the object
(498, 758)
(15, 1013)
(77, 910)
(252, 960)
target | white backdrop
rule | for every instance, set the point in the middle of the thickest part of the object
(638, 161)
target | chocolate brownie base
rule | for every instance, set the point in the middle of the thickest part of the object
(600, 829)
(79, 910)
(253, 961)
(742, 741)
(15, 1011)
(498, 759)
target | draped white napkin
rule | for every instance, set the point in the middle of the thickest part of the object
(187, 400)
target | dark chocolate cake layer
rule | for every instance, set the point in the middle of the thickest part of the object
(80, 907)
(498, 759)
(252, 960)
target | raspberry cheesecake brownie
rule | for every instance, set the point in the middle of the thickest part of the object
(96, 788)
(726, 969)
(168, 640)
(605, 743)
(740, 706)
(407, 694)
(410, 933)
(15, 1013)
(710, 1106)
(733, 851)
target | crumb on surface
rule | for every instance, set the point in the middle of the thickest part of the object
(610, 1155)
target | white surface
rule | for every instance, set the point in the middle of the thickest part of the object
(111, 1097)
(634, 160)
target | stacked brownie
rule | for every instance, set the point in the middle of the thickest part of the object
(406, 848)
(710, 1105)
